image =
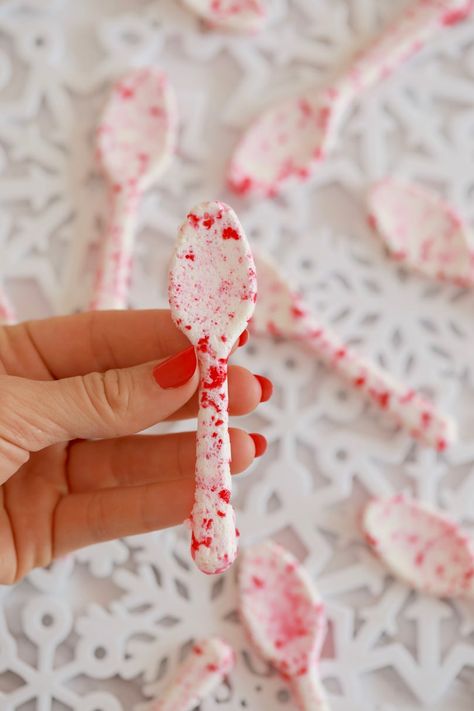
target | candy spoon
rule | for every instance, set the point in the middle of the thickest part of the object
(281, 312)
(232, 15)
(212, 292)
(202, 671)
(290, 138)
(423, 231)
(284, 616)
(135, 141)
(7, 313)
(422, 547)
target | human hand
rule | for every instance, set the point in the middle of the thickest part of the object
(72, 392)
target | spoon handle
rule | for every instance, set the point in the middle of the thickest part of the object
(113, 274)
(403, 39)
(309, 692)
(202, 671)
(214, 537)
(424, 422)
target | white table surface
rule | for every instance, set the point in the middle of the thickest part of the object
(121, 610)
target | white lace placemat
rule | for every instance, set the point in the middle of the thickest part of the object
(103, 630)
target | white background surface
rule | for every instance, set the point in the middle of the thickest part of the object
(139, 600)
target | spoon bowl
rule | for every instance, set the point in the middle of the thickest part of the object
(420, 546)
(423, 231)
(212, 293)
(231, 15)
(284, 616)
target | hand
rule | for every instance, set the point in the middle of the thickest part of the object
(72, 391)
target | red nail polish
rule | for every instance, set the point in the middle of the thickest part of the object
(177, 370)
(266, 386)
(260, 443)
(244, 337)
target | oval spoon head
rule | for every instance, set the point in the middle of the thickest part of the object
(137, 134)
(279, 310)
(423, 231)
(420, 546)
(232, 15)
(281, 609)
(212, 280)
(285, 142)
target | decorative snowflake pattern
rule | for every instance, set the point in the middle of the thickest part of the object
(102, 630)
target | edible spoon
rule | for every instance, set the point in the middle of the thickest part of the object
(419, 228)
(232, 15)
(135, 141)
(281, 312)
(212, 292)
(422, 547)
(202, 671)
(290, 138)
(284, 615)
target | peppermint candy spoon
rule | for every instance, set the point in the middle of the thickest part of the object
(420, 546)
(423, 231)
(281, 312)
(232, 15)
(292, 137)
(135, 141)
(212, 292)
(202, 672)
(284, 616)
(7, 312)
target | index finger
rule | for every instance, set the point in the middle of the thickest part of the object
(95, 341)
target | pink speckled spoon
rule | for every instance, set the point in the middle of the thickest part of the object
(135, 142)
(423, 231)
(280, 312)
(232, 15)
(212, 292)
(289, 139)
(422, 547)
(7, 312)
(284, 616)
(202, 671)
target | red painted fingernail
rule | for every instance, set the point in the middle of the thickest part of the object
(260, 443)
(267, 387)
(244, 337)
(177, 370)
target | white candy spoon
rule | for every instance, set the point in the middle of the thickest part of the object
(232, 15)
(281, 312)
(284, 616)
(423, 231)
(7, 312)
(420, 546)
(290, 138)
(135, 141)
(212, 292)
(202, 672)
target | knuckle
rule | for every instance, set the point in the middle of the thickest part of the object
(109, 394)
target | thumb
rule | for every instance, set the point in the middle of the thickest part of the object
(35, 414)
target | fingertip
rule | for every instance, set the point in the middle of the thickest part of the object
(243, 450)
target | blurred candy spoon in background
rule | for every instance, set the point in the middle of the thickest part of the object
(420, 546)
(284, 616)
(202, 671)
(135, 142)
(7, 312)
(290, 138)
(280, 312)
(212, 292)
(232, 15)
(423, 231)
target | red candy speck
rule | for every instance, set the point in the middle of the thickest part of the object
(230, 233)
(224, 494)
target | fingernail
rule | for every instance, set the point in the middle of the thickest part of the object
(244, 337)
(177, 370)
(260, 443)
(266, 386)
